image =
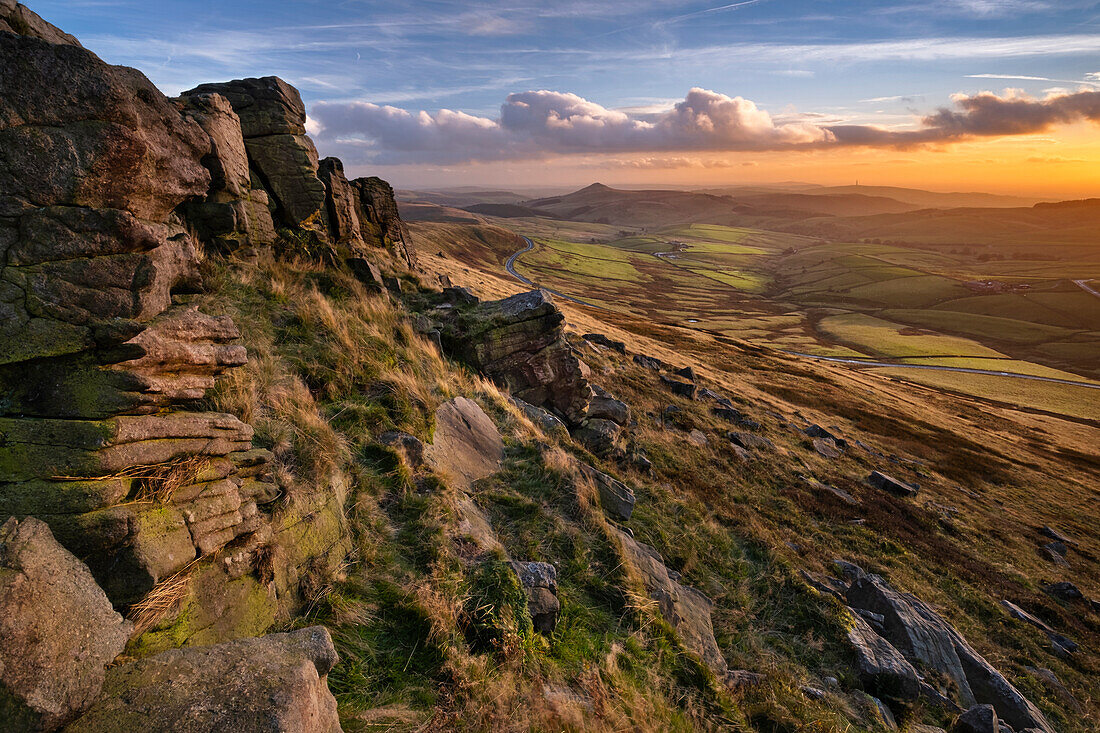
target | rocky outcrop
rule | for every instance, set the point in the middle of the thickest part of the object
(105, 357)
(235, 212)
(58, 631)
(379, 217)
(926, 640)
(272, 120)
(276, 683)
(518, 343)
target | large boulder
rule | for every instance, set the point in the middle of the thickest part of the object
(265, 106)
(79, 132)
(925, 639)
(273, 684)
(686, 609)
(19, 19)
(518, 343)
(58, 631)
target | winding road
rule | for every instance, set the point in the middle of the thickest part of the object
(1082, 284)
(509, 265)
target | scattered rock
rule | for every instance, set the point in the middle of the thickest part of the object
(407, 445)
(366, 272)
(838, 493)
(684, 608)
(698, 438)
(882, 669)
(1058, 548)
(816, 431)
(466, 445)
(602, 340)
(58, 631)
(750, 441)
(459, 295)
(649, 362)
(890, 484)
(686, 372)
(978, 719)
(393, 284)
(814, 693)
(547, 421)
(740, 679)
(1057, 536)
(827, 448)
(540, 580)
(604, 406)
(275, 683)
(1021, 615)
(741, 454)
(616, 498)
(1056, 553)
(1064, 591)
(601, 437)
(676, 386)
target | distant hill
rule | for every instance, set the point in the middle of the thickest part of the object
(603, 204)
(508, 211)
(434, 212)
(930, 199)
(854, 204)
(460, 198)
(1065, 222)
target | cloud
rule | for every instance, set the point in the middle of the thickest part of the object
(540, 124)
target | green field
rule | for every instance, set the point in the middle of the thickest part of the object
(841, 299)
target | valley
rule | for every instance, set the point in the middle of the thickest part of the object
(974, 317)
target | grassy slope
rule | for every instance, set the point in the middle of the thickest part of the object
(332, 367)
(969, 540)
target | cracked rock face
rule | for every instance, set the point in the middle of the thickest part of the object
(924, 638)
(100, 436)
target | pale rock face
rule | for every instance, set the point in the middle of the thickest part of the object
(58, 631)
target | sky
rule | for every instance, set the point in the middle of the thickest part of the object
(995, 95)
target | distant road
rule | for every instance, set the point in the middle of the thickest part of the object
(966, 370)
(1082, 284)
(509, 266)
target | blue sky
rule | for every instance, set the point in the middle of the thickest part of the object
(828, 62)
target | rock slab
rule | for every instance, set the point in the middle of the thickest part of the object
(58, 631)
